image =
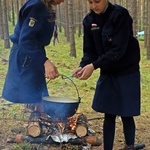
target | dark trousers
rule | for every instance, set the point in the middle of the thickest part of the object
(109, 130)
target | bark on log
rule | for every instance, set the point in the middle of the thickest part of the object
(81, 127)
(93, 140)
(34, 128)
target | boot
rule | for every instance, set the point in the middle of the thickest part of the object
(131, 147)
(134, 147)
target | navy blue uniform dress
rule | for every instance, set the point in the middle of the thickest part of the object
(109, 44)
(25, 80)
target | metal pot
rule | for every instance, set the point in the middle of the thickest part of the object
(60, 108)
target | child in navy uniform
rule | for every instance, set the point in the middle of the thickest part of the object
(28, 65)
(109, 44)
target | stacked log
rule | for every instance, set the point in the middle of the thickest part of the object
(82, 126)
(93, 140)
(40, 129)
(34, 128)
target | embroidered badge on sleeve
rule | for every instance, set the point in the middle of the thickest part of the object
(32, 22)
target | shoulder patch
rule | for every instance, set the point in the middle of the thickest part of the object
(32, 22)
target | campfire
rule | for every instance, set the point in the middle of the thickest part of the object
(73, 132)
(60, 124)
(45, 130)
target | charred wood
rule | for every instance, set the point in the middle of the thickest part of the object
(93, 140)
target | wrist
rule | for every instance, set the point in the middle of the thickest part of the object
(92, 66)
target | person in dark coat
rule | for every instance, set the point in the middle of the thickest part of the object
(28, 65)
(109, 44)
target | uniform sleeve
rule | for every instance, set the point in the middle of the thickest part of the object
(33, 20)
(89, 50)
(119, 41)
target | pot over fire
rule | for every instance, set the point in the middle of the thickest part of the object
(61, 108)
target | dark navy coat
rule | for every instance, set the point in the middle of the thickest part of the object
(25, 80)
(109, 45)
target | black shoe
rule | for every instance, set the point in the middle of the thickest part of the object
(139, 146)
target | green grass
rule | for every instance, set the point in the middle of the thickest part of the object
(59, 55)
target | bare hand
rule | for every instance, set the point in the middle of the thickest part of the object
(85, 72)
(76, 71)
(51, 71)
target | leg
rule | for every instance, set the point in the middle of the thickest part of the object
(109, 131)
(129, 131)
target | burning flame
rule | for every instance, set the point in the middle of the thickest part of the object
(72, 122)
(63, 127)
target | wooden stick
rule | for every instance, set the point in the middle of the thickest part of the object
(93, 140)
(97, 118)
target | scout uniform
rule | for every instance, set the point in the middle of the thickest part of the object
(109, 45)
(25, 80)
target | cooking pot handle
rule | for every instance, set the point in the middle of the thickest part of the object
(68, 77)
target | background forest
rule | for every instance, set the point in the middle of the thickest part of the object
(66, 53)
(70, 15)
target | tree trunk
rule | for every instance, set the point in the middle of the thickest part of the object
(5, 25)
(66, 25)
(148, 30)
(79, 16)
(1, 22)
(145, 22)
(71, 29)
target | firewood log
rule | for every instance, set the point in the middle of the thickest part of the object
(93, 140)
(34, 128)
(81, 130)
(81, 127)
(38, 140)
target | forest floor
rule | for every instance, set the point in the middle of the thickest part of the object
(9, 123)
(15, 116)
